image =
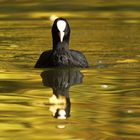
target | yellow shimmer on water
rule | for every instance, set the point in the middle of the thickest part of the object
(128, 61)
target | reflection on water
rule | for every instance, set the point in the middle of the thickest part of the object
(34, 9)
(60, 80)
(104, 105)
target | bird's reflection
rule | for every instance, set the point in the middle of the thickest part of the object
(60, 80)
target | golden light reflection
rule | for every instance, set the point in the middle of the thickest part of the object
(128, 61)
(105, 105)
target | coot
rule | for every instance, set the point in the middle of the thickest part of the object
(60, 55)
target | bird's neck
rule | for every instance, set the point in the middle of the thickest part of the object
(60, 46)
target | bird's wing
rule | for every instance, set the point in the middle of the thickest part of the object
(79, 58)
(43, 60)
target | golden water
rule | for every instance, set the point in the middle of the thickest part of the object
(105, 101)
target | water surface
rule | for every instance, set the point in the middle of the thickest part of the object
(101, 102)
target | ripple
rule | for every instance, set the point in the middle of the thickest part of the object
(104, 106)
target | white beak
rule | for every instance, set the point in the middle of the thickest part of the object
(61, 36)
(61, 25)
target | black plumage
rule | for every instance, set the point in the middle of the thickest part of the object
(60, 55)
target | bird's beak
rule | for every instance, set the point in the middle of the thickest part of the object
(61, 35)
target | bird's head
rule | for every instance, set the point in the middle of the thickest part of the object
(60, 31)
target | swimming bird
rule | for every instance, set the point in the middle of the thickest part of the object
(60, 55)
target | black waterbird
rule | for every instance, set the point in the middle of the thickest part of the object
(60, 55)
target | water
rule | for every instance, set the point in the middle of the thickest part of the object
(101, 102)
